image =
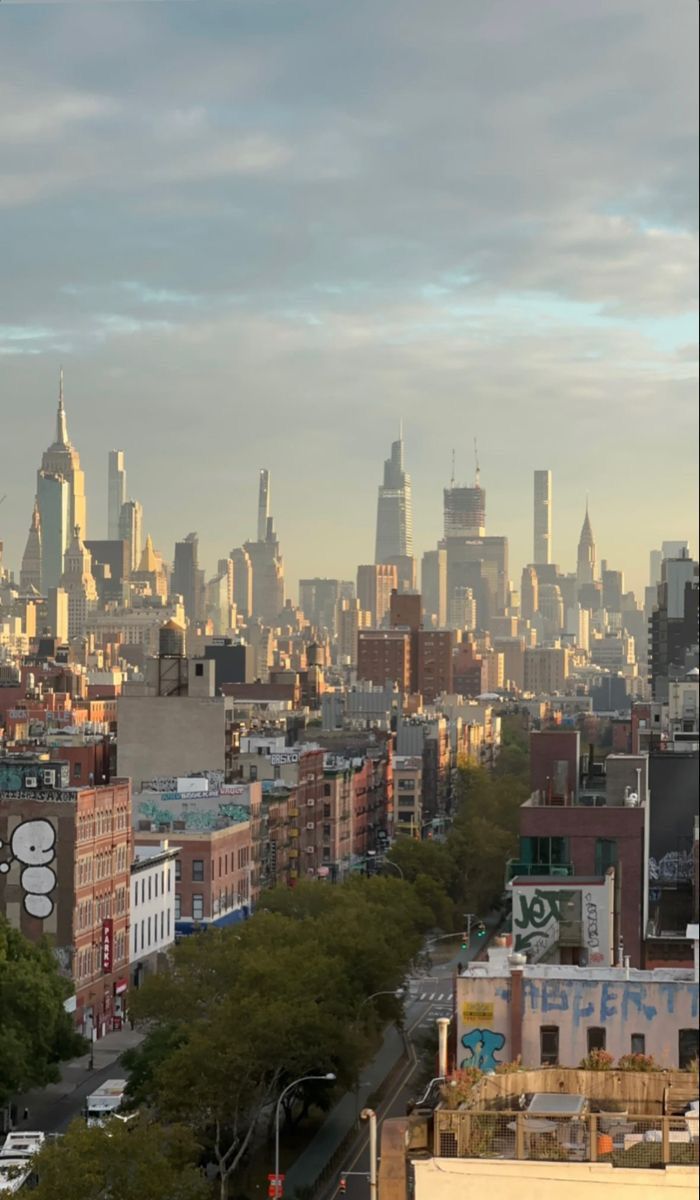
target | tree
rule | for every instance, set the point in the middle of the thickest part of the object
(121, 1161)
(36, 1033)
(247, 1012)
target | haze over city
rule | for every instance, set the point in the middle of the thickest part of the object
(262, 235)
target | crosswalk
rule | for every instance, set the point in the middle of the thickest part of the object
(433, 997)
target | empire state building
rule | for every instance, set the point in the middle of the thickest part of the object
(61, 499)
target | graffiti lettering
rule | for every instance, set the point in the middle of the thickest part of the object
(482, 1046)
(592, 935)
(535, 915)
(674, 866)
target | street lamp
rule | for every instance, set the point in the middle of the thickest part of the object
(329, 1078)
(397, 993)
(388, 863)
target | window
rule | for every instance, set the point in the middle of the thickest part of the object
(178, 870)
(253, 774)
(143, 891)
(549, 1045)
(155, 883)
(596, 1038)
(197, 907)
(637, 1043)
(77, 770)
(168, 922)
(136, 894)
(326, 789)
(545, 851)
(149, 887)
(605, 854)
(149, 931)
(688, 1047)
(136, 939)
(199, 668)
(143, 934)
(178, 906)
(198, 870)
(162, 925)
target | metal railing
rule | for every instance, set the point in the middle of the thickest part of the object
(622, 1139)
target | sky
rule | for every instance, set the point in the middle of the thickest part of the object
(263, 232)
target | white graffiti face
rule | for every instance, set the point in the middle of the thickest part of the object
(33, 845)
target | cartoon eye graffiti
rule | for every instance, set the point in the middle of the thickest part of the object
(33, 845)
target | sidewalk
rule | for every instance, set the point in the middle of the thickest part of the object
(340, 1119)
(51, 1109)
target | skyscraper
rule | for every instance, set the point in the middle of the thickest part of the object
(263, 504)
(375, 583)
(130, 530)
(53, 498)
(586, 559)
(78, 582)
(186, 575)
(30, 573)
(116, 492)
(63, 459)
(242, 581)
(266, 561)
(394, 509)
(542, 517)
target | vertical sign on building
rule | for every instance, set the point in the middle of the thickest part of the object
(107, 945)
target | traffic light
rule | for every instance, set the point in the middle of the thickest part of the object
(481, 930)
(342, 1186)
(465, 942)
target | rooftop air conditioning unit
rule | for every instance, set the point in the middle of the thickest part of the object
(49, 777)
(30, 781)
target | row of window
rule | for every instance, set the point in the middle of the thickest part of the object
(99, 824)
(101, 866)
(88, 962)
(150, 926)
(554, 851)
(688, 1040)
(148, 889)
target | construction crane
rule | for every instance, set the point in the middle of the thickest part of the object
(3, 498)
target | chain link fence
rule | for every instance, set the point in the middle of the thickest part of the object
(625, 1140)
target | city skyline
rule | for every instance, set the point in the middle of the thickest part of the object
(567, 561)
(247, 255)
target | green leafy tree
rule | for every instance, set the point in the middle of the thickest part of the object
(36, 1033)
(121, 1161)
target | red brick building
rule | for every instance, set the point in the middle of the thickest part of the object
(68, 854)
(434, 663)
(384, 654)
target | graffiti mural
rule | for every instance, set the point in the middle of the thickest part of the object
(676, 866)
(537, 913)
(482, 1046)
(33, 847)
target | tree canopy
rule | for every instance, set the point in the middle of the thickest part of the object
(36, 1033)
(133, 1161)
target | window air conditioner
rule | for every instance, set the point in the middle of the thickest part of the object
(49, 776)
(310, 825)
(310, 803)
(30, 781)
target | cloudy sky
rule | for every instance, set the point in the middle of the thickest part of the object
(261, 232)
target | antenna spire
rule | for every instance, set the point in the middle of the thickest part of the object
(61, 428)
(477, 475)
(452, 480)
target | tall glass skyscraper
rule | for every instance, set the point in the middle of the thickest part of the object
(394, 509)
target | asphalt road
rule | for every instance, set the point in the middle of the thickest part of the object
(430, 996)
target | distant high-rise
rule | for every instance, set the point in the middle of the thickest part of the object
(375, 583)
(266, 561)
(586, 558)
(434, 587)
(78, 581)
(542, 543)
(185, 579)
(63, 459)
(30, 574)
(242, 582)
(53, 498)
(130, 530)
(394, 509)
(529, 593)
(116, 492)
(263, 505)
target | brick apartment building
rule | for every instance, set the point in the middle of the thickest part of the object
(69, 853)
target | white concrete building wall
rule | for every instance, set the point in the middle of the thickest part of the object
(152, 903)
